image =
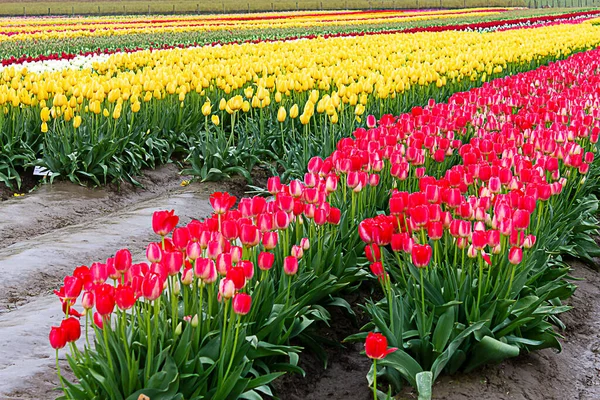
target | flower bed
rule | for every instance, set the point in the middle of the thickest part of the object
(137, 110)
(481, 196)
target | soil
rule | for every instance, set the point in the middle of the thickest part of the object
(61, 226)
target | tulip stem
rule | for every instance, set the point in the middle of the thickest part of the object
(287, 300)
(374, 379)
(479, 284)
(87, 323)
(200, 316)
(422, 298)
(235, 341)
(105, 327)
(62, 384)
(149, 340)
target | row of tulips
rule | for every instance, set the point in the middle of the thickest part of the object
(469, 259)
(230, 112)
(25, 51)
(463, 258)
(30, 29)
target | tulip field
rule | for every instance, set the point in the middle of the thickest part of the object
(433, 171)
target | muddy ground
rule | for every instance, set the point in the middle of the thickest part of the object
(50, 231)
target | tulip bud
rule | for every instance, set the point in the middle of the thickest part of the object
(122, 260)
(154, 253)
(194, 321)
(71, 329)
(376, 346)
(290, 265)
(226, 288)
(266, 260)
(57, 337)
(242, 303)
(178, 329)
(515, 255)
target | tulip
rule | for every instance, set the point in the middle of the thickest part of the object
(223, 264)
(237, 275)
(265, 260)
(72, 287)
(57, 337)
(105, 303)
(515, 255)
(226, 288)
(71, 329)
(376, 346)
(274, 185)
(163, 222)
(377, 269)
(181, 238)
(421, 255)
(290, 265)
(214, 249)
(221, 202)
(87, 301)
(99, 273)
(153, 253)
(173, 261)
(269, 240)
(373, 253)
(371, 121)
(193, 250)
(248, 268)
(242, 303)
(335, 216)
(250, 235)
(297, 252)
(236, 254)
(152, 286)
(98, 321)
(124, 297)
(281, 220)
(122, 260)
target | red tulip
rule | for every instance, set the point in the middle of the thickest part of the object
(237, 275)
(290, 265)
(163, 222)
(226, 288)
(124, 297)
(105, 302)
(173, 261)
(266, 260)
(87, 301)
(99, 273)
(71, 329)
(250, 235)
(221, 202)
(154, 253)
(515, 255)
(193, 250)
(377, 269)
(269, 240)
(371, 121)
(242, 303)
(57, 337)
(98, 320)
(122, 260)
(181, 238)
(72, 287)
(335, 215)
(297, 252)
(152, 286)
(421, 255)
(521, 219)
(376, 346)
(373, 253)
(274, 185)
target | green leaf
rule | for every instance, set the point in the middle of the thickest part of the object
(490, 350)
(443, 330)
(424, 385)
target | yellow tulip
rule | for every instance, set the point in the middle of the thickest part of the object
(215, 119)
(77, 121)
(281, 114)
(294, 111)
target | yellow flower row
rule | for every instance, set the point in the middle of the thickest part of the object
(320, 75)
(72, 27)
